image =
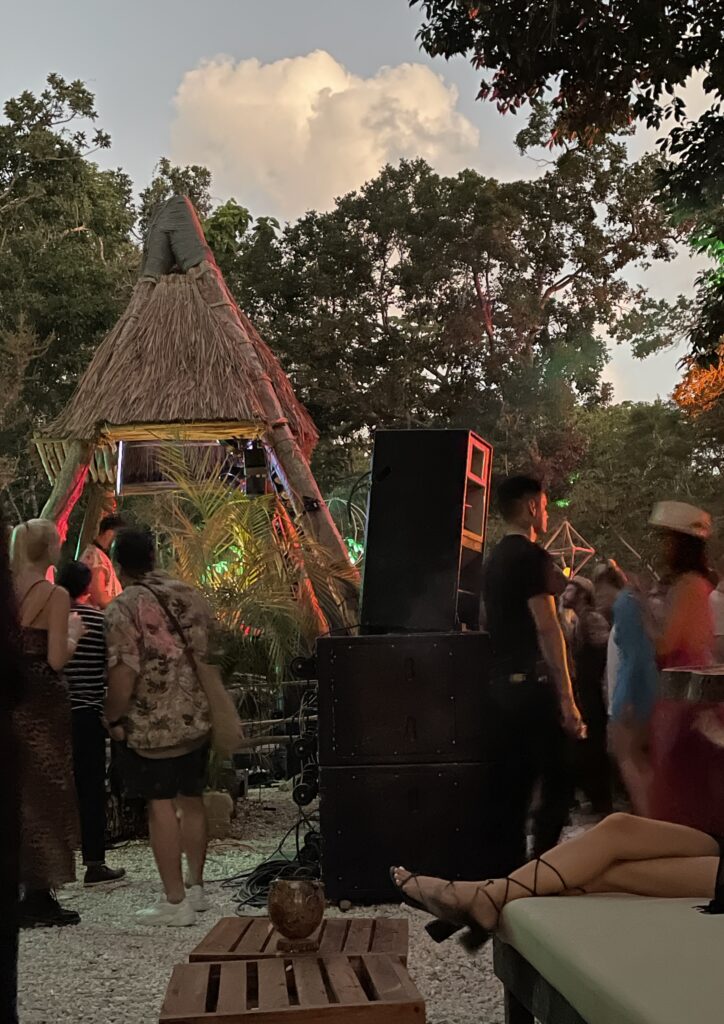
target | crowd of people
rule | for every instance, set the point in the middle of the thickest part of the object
(598, 646)
(577, 666)
(112, 647)
(88, 653)
(625, 631)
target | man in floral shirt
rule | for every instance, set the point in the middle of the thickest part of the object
(157, 632)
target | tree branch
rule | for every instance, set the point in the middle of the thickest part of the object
(486, 308)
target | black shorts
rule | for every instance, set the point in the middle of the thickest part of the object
(163, 778)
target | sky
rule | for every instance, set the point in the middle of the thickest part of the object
(289, 103)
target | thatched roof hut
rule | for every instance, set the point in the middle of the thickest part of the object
(172, 366)
(182, 363)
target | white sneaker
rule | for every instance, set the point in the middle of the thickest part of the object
(169, 915)
(198, 899)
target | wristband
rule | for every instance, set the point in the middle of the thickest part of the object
(114, 725)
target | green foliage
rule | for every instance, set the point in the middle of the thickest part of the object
(603, 66)
(67, 259)
(603, 63)
(635, 455)
(428, 300)
(266, 589)
(653, 324)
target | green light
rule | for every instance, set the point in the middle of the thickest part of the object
(355, 550)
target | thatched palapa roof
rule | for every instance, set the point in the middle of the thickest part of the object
(178, 362)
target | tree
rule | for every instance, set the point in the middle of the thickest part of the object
(68, 261)
(604, 66)
(633, 456)
(427, 300)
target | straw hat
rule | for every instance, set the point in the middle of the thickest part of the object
(681, 518)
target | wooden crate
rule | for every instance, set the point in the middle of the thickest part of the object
(255, 938)
(303, 990)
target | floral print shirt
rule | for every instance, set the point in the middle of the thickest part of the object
(169, 712)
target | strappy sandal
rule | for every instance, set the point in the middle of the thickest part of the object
(474, 935)
(440, 929)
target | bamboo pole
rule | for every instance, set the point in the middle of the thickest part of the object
(68, 485)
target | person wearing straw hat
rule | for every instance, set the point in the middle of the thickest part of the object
(680, 755)
(687, 637)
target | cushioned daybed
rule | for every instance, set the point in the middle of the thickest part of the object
(611, 960)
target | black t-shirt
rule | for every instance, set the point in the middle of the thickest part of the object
(516, 571)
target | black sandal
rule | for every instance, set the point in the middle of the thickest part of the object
(474, 935)
(441, 929)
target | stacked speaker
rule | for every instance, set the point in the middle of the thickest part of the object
(411, 746)
(426, 525)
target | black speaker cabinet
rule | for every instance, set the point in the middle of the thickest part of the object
(426, 526)
(406, 699)
(445, 820)
(414, 751)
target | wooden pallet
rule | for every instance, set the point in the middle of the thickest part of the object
(304, 990)
(255, 938)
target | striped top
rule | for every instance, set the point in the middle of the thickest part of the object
(86, 670)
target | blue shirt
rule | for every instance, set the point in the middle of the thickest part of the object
(637, 678)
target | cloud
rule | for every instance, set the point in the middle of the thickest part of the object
(292, 135)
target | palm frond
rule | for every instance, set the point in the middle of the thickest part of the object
(271, 587)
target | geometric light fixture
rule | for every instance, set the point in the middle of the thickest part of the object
(569, 549)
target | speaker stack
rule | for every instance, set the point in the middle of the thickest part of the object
(411, 746)
(427, 516)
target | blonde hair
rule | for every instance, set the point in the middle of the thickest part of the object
(32, 542)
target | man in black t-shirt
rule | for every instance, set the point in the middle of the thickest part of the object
(531, 674)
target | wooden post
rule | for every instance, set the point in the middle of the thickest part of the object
(68, 485)
(306, 497)
(95, 510)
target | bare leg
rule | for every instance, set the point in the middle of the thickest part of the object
(668, 877)
(165, 835)
(580, 861)
(629, 743)
(193, 836)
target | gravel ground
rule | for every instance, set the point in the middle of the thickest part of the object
(108, 969)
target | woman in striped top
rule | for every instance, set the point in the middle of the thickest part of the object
(86, 677)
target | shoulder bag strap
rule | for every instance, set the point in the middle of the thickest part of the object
(176, 626)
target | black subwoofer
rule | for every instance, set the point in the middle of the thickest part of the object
(445, 820)
(412, 746)
(407, 699)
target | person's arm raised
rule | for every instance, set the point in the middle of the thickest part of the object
(553, 648)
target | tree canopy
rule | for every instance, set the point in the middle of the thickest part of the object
(634, 455)
(68, 260)
(602, 66)
(422, 299)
